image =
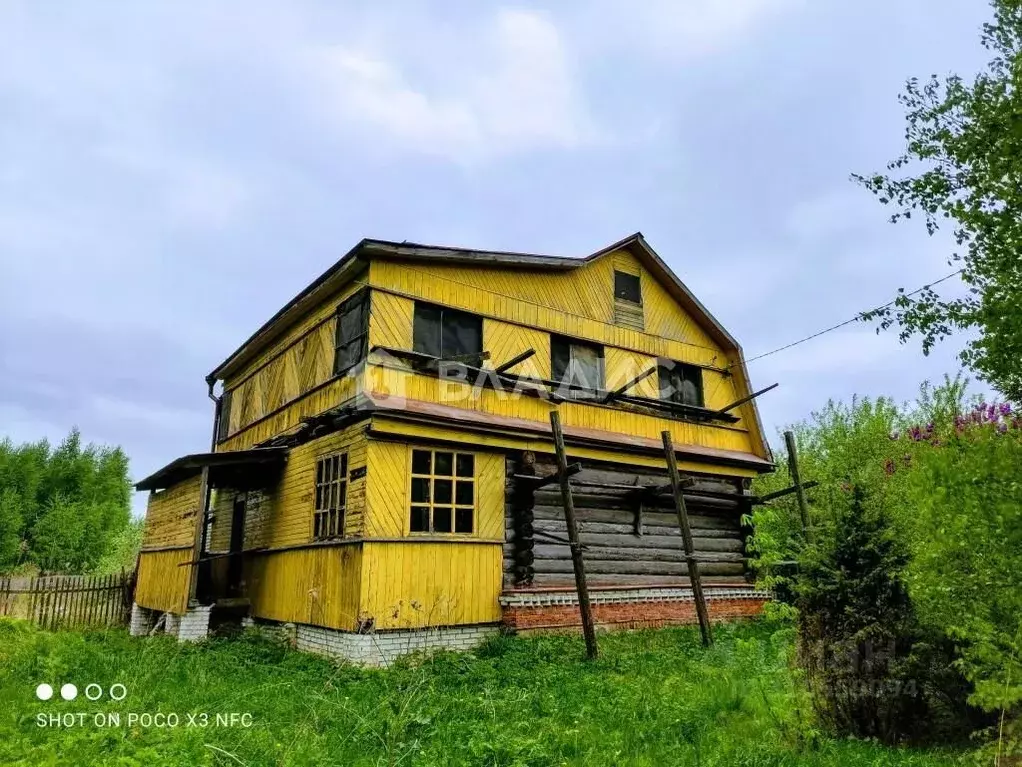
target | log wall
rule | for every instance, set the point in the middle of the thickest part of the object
(618, 550)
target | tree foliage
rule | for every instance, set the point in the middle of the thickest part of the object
(61, 508)
(962, 168)
(943, 475)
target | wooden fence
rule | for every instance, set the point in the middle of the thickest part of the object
(68, 601)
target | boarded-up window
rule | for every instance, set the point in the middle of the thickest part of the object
(680, 383)
(442, 493)
(447, 333)
(331, 497)
(627, 287)
(576, 364)
(223, 425)
(352, 332)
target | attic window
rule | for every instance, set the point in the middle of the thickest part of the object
(447, 333)
(680, 383)
(627, 287)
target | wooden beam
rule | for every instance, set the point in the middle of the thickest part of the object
(686, 534)
(781, 493)
(803, 510)
(516, 360)
(550, 479)
(622, 389)
(751, 397)
(588, 628)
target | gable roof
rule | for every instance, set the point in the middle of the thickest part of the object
(367, 249)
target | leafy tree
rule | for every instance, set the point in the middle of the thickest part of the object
(963, 168)
(61, 508)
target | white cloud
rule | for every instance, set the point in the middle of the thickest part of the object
(678, 29)
(507, 87)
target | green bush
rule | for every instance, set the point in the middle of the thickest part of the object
(944, 473)
(872, 668)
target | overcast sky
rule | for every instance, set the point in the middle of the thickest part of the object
(172, 173)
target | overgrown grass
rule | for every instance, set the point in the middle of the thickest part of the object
(654, 698)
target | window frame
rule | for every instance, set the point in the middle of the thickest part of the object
(328, 519)
(419, 344)
(577, 394)
(357, 302)
(430, 504)
(619, 289)
(223, 426)
(689, 372)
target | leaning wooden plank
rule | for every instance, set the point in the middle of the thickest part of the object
(578, 565)
(683, 521)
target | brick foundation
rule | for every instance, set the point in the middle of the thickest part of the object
(379, 648)
(550, 610)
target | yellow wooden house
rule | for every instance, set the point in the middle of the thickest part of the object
(368, 488)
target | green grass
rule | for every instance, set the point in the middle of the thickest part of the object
(653, 698)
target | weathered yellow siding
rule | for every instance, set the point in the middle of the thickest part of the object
(320, 585)
(504, 341)
(291, 504)
(622, 366)
(578, 304)
(170, 516)
(413, 585)
(603, 418)
(390, 321)
(329, 395)
(575, 303)
(292, 367)
(163, 580)
(399, 429)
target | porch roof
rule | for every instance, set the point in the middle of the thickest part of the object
(224, 467)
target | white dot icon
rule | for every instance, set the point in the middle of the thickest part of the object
(44, 692)
(69, 692)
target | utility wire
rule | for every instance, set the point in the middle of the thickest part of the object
(856, 318)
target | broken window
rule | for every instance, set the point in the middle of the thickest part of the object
(442, 494)
(576, 364)
(627, 287)
(352, 333)
(331, 497)
(447, 333)
(680, 383)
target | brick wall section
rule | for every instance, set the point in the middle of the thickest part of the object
(627, 609)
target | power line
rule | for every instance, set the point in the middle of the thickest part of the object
(853, 319)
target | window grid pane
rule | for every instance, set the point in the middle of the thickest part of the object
(442, 492)
(330, 497)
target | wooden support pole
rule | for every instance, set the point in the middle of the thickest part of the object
(751, 397)
(803, 510)
(686, 534)
(588, 628)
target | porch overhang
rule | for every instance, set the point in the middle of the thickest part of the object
(251, 468)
